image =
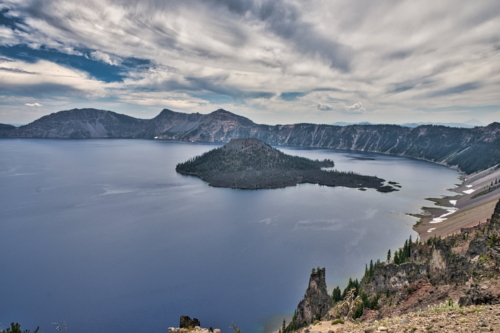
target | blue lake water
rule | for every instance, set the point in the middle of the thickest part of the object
(105, 235)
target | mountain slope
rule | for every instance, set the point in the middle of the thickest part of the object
(470, 150)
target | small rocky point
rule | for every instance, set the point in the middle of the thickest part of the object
(196, 329)
(482, 318)
(186, 324)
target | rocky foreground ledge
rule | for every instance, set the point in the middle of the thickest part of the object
(440, 318)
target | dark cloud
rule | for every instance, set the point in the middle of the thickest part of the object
(291, 96)
(41, 90)
(421, 82)
(455, 90)
(324, 107)
(285, 21)
(11, 21)
(327, 89)
(15, 70)
(398, 55)
(216, 85)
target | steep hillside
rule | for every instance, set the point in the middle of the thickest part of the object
(80, 124)
(462, 269)
(470, 150)
(421, 280)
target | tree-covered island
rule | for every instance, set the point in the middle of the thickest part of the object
(253, 164)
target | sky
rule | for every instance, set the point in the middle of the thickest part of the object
(275, 62)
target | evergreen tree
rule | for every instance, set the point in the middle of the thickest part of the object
(336, 294)
(389, 255)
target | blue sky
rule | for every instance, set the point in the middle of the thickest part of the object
(281, 61)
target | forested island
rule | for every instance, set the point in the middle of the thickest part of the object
(253, 164)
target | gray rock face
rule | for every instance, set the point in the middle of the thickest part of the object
(456, 267)
(316, 302)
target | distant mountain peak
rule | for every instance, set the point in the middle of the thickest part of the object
(474, 122)
(222, 111)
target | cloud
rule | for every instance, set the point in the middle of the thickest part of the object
(455, 90)
(259, 56)
(324, 107)
(15, 70)
(356, 108)
(50, 80)
(106, 58)
(34, 104)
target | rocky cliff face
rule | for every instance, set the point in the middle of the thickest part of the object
(463, 267)
(470, 150)
(316, 302)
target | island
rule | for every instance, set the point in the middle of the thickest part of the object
(252, 164)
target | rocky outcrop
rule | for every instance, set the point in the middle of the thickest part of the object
(443, 318)
(470, 150)
(186, 322)
(461, 267)
(316, 301)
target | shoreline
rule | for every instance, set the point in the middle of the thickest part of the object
(467, 208)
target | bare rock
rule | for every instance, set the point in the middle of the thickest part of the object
(186, 322)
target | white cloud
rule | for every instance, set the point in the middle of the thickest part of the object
(106, 58)
(47, 78)
(356, 108)
(34, 104)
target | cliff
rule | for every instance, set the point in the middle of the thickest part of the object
(316, 301)
(463, 268)
(438, 275)
(253, 164)
(470, 150)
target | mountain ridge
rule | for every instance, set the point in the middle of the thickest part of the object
(221, 126)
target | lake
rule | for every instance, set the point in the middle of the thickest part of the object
(105, 235)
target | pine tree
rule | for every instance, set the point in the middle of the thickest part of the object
(336, 294)
(389, 255)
